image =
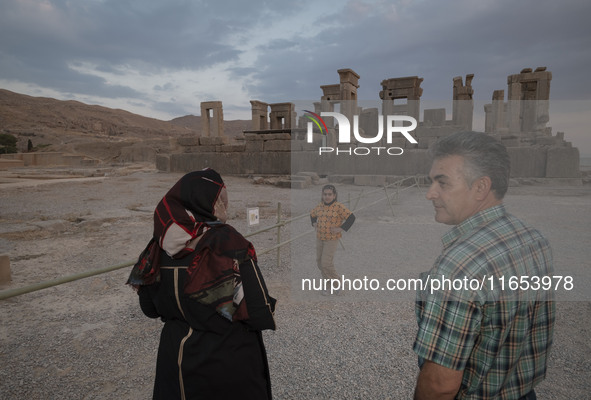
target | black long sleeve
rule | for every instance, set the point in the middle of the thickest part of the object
(260, 305)
(348, 222)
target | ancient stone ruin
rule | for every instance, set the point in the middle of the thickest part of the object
(276, 145)
(522, 122)
(212, 124)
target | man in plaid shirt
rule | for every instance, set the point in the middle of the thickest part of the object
(476, 341)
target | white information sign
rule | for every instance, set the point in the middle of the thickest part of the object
(253, 216)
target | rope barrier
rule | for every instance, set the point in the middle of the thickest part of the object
(6, 294)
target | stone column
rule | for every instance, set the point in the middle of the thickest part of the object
(349, 83)
(463, 105)
(488, 119)
(331, 95)
(495, 119)
(212, 126)
(513, 103)
(260, 121)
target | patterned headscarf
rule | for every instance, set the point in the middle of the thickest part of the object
(180, 217)
(185, 224)
(181, 214)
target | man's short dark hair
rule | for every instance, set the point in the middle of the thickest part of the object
(483, 156)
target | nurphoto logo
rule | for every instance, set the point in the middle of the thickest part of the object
(344, 133)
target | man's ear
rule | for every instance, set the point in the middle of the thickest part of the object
(483, 187)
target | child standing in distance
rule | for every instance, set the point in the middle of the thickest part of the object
(330, 218)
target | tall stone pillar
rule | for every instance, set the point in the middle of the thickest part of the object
(343, 94)
(498, 110)
(463, 104)
(260, 121)
(495, 119)
(212, 125)
(349, 83)
(331, 95)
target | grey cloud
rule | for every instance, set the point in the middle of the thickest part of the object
(166, 87)
(278, 44)
(174, 108)
(37, 42)
(432, 39)
(438, 41)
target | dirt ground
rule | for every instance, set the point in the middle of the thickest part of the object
(88, 339)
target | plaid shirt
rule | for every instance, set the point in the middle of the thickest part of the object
(499, 338)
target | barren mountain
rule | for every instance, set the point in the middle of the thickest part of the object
(95, 131)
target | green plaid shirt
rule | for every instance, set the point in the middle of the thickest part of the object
(499, 338)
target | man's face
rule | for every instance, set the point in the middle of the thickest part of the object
(453, 200)
(327, 196)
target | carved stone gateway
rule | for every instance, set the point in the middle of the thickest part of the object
(529, 92)
(331, 93)
(282, 116)
(260, 122)
(524, 116)
(212, 125)
(343, 95)
(408, 90)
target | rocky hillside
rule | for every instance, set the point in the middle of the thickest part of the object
(94, 131)
(231, 128)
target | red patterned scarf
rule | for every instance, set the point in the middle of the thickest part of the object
(184, 224)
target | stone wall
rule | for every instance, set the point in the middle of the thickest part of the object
(44, 159)
(236, 163)
(266, 152)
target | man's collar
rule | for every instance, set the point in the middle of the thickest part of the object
(480, 218)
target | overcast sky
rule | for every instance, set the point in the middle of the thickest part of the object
(162, 58)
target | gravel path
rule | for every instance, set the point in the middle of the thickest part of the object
(89, 340)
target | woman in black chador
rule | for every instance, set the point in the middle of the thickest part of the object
(200, 276)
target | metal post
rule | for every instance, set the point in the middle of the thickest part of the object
(389, 201)
(278, 234)
(358, 198)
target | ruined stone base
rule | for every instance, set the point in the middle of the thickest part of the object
(45, 159)
(232, 163)
(526, 162)
(213, 141)
(5, 164)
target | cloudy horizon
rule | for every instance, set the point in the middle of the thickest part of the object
(162, 59)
